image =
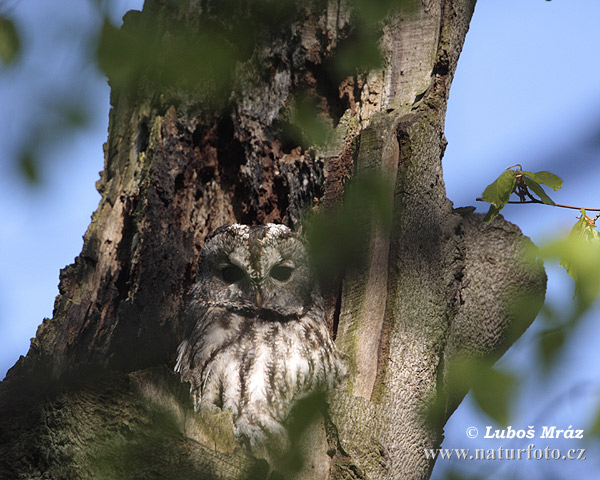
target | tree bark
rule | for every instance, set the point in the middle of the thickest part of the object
(95, 397)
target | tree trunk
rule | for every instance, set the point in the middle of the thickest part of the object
(95, 397)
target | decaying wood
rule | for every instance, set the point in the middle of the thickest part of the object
(95, 396)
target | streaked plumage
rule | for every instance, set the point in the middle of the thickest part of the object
(260, 341)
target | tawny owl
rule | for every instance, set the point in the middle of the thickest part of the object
(260, 341)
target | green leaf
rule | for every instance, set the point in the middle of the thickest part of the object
(593, 236)
(579, 229)
(10, 45)
(546, 178)
(580, 255)
(374, 12)
(360, 51)
(498, 192)
(492, 390)
(28, 164)
(582, 260)
(551, 344)
(595, 428)
(337, 238)
(310, 125)
(144, 54)
(583, 230)
(491, 214)
(460, 475)
(538, 190)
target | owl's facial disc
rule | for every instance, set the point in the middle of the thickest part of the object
(260, 271)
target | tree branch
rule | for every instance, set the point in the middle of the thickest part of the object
(479, 199)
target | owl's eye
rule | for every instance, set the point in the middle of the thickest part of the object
(281, 273)
(231, 274)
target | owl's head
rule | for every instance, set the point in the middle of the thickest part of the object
(262, 269)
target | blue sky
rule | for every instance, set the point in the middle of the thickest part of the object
(526, 91)
(42, 226)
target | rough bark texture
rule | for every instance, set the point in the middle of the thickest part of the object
(95, 396)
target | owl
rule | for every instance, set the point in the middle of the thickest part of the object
(260, 340)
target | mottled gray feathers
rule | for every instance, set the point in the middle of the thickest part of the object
(260, 341)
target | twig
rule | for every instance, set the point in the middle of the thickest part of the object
(555, 205)
(513, 166)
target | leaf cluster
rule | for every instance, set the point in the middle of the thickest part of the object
(524, 184)
(578, 252)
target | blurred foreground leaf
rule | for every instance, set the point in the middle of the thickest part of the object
(551, 342)
(56, 127)
(305, 413)
(10, 45)
(145, 54)
(492, 389)
(339, 240)
(307, 125)
(595, 428)
(580, 255)
(359, 52)
(458, 475)
(29, 167)
(374, 12)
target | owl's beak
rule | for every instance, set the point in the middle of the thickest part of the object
(258, 298)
